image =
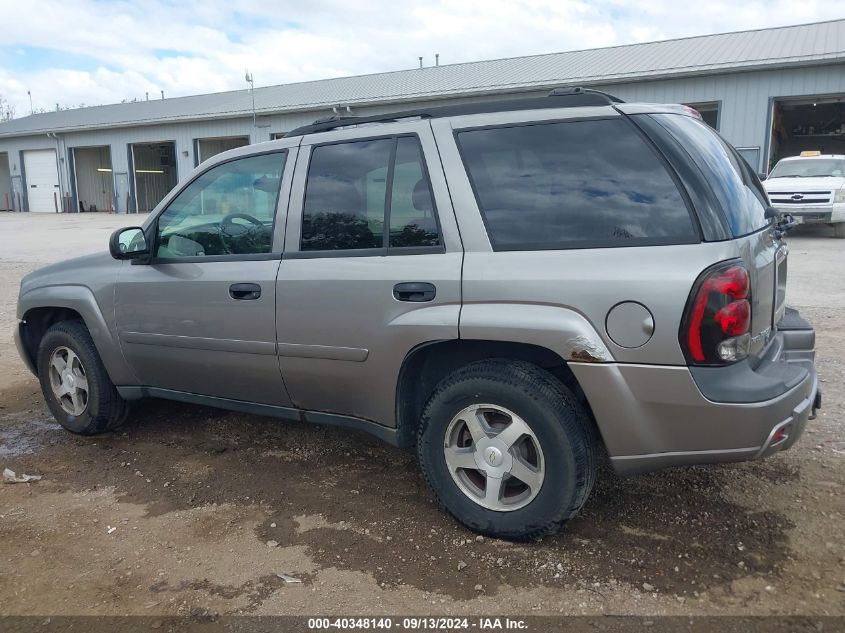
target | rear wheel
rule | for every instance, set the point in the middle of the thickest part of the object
(507, 449)
(74, 381)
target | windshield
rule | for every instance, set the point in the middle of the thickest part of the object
(810, 168)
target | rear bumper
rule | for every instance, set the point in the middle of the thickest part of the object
(653, 417)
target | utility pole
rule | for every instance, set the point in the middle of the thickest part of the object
(251, 81)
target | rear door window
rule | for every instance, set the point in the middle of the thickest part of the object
(344, 199)
(368, 194)
(412, 218)
(737, 188)
(573, 184)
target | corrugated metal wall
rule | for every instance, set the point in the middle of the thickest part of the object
(744, 99)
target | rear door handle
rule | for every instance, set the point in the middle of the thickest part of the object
(414, 291)
(245, 292)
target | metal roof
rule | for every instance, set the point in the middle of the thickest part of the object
(820, 42)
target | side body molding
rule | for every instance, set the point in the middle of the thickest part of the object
(82, 300)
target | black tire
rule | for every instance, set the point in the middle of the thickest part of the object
(564, 430)
(839, 230)
(105, 409)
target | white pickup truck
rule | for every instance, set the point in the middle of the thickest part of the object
(810, 187)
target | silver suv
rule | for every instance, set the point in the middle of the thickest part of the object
(512, 288)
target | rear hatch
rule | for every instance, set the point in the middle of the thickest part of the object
(738, 193)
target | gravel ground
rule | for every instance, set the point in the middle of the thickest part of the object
(189, 509)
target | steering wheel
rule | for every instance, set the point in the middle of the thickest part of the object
(227, 223)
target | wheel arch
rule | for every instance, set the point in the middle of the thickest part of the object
(42, 308)
(427, 364)
(35, 323)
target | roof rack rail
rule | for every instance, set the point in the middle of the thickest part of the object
(578, 90)
(334, 122)
(570, 97)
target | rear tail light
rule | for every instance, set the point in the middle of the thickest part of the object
(717, 321)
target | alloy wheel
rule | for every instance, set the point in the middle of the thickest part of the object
(68, 381)
(494, 457)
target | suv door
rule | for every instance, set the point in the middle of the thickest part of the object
(371, 269)
(198, 317)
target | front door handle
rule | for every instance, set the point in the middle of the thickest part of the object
(245, 292)
(415, 291)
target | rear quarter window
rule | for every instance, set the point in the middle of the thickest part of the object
(737, 188)
(573, 184)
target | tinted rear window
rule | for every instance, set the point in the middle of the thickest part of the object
(738, 190)
(573, 184)
(355, 188)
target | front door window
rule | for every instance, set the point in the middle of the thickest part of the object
(228, 210)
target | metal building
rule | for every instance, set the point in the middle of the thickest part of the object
(770, 92)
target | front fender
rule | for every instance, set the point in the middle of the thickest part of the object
(81, 300)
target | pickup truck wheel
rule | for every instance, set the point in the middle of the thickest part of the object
(839, 230)
(74, 381)
(507, 449)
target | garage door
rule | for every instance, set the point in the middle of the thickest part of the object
(807, 123)
(41, 179)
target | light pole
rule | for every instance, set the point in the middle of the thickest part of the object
(31, 109)
(251, 81)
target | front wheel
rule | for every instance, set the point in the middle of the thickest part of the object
(75, 383)
(839, 230)
(507, 449)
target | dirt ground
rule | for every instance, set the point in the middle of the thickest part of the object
(188, 508)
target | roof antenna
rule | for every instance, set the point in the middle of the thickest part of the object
(437, 59)
(421, 61)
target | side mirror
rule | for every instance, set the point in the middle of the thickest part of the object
(762, 176)
(128, 243)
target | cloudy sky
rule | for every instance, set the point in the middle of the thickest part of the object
(96, 51)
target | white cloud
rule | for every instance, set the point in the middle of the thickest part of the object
(122, 49)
